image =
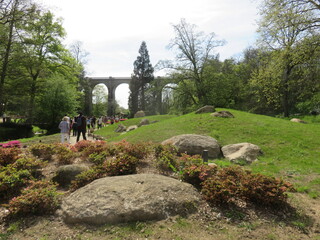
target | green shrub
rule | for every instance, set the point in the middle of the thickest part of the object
(82, 145)
(87, 177)
(31, 164)
(137, 150)
(95, 147)
(43, 151)
(39, 198)
(121, 165)
(233, 183)
(12, 180)
(197, 174)
(166, 158)
(98, 158)
(64, 154)
(9, 155)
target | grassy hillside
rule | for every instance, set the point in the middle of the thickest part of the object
(291, 150)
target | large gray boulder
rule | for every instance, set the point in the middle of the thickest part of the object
(297, 120)
(139, 114)
(67, 173)
(138, 197)
(223, 114)
(195, 144)
(206, 109)
(241, 152)
(120, 128)
(143, 122)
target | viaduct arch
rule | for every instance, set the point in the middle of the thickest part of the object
(112, 83)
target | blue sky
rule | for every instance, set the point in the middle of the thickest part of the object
(112, 31)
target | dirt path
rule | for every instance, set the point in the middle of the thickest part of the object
(73, 139)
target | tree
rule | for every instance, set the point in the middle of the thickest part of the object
(194, 51)
(100, 101)
(283, 28)
(59, 98)
(141, 78)
(12, 14)
(41, 48)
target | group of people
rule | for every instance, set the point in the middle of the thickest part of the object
(80, 124)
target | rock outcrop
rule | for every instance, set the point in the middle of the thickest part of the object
(144, 122)
(241, 151)
(139, 114)
(206, 109)
(223, 114)
(121, 128)
(195, 144)
(138, 197)
(131, 128)
(297, 120)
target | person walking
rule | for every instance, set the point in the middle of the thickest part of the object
(65, 130)
(82, 127)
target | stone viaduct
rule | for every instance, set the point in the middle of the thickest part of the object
(112, 83)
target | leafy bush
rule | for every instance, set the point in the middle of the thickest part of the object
(64, 154)
(30, 164)
(197, 174)
(138, 150)
(233, 183)
(122, 165)
(95, 147)
(82, 145)
(12, 180)
(9, 155)
(43, 151)
(166, 158)
(38, 198)
(87, 177)
(98, 158)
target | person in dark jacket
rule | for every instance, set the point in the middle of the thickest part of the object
(82, 126)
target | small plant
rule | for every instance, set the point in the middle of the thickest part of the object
(39, 198)
(9, 155)
(43, 151)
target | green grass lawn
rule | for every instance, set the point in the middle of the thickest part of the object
(291, 150)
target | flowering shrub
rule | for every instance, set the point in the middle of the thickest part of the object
(9, 155)
(38, 198)
(12, 180)
(42, 150)
(188, 160)
(166, 158)
(196, 174)
(233, 183)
